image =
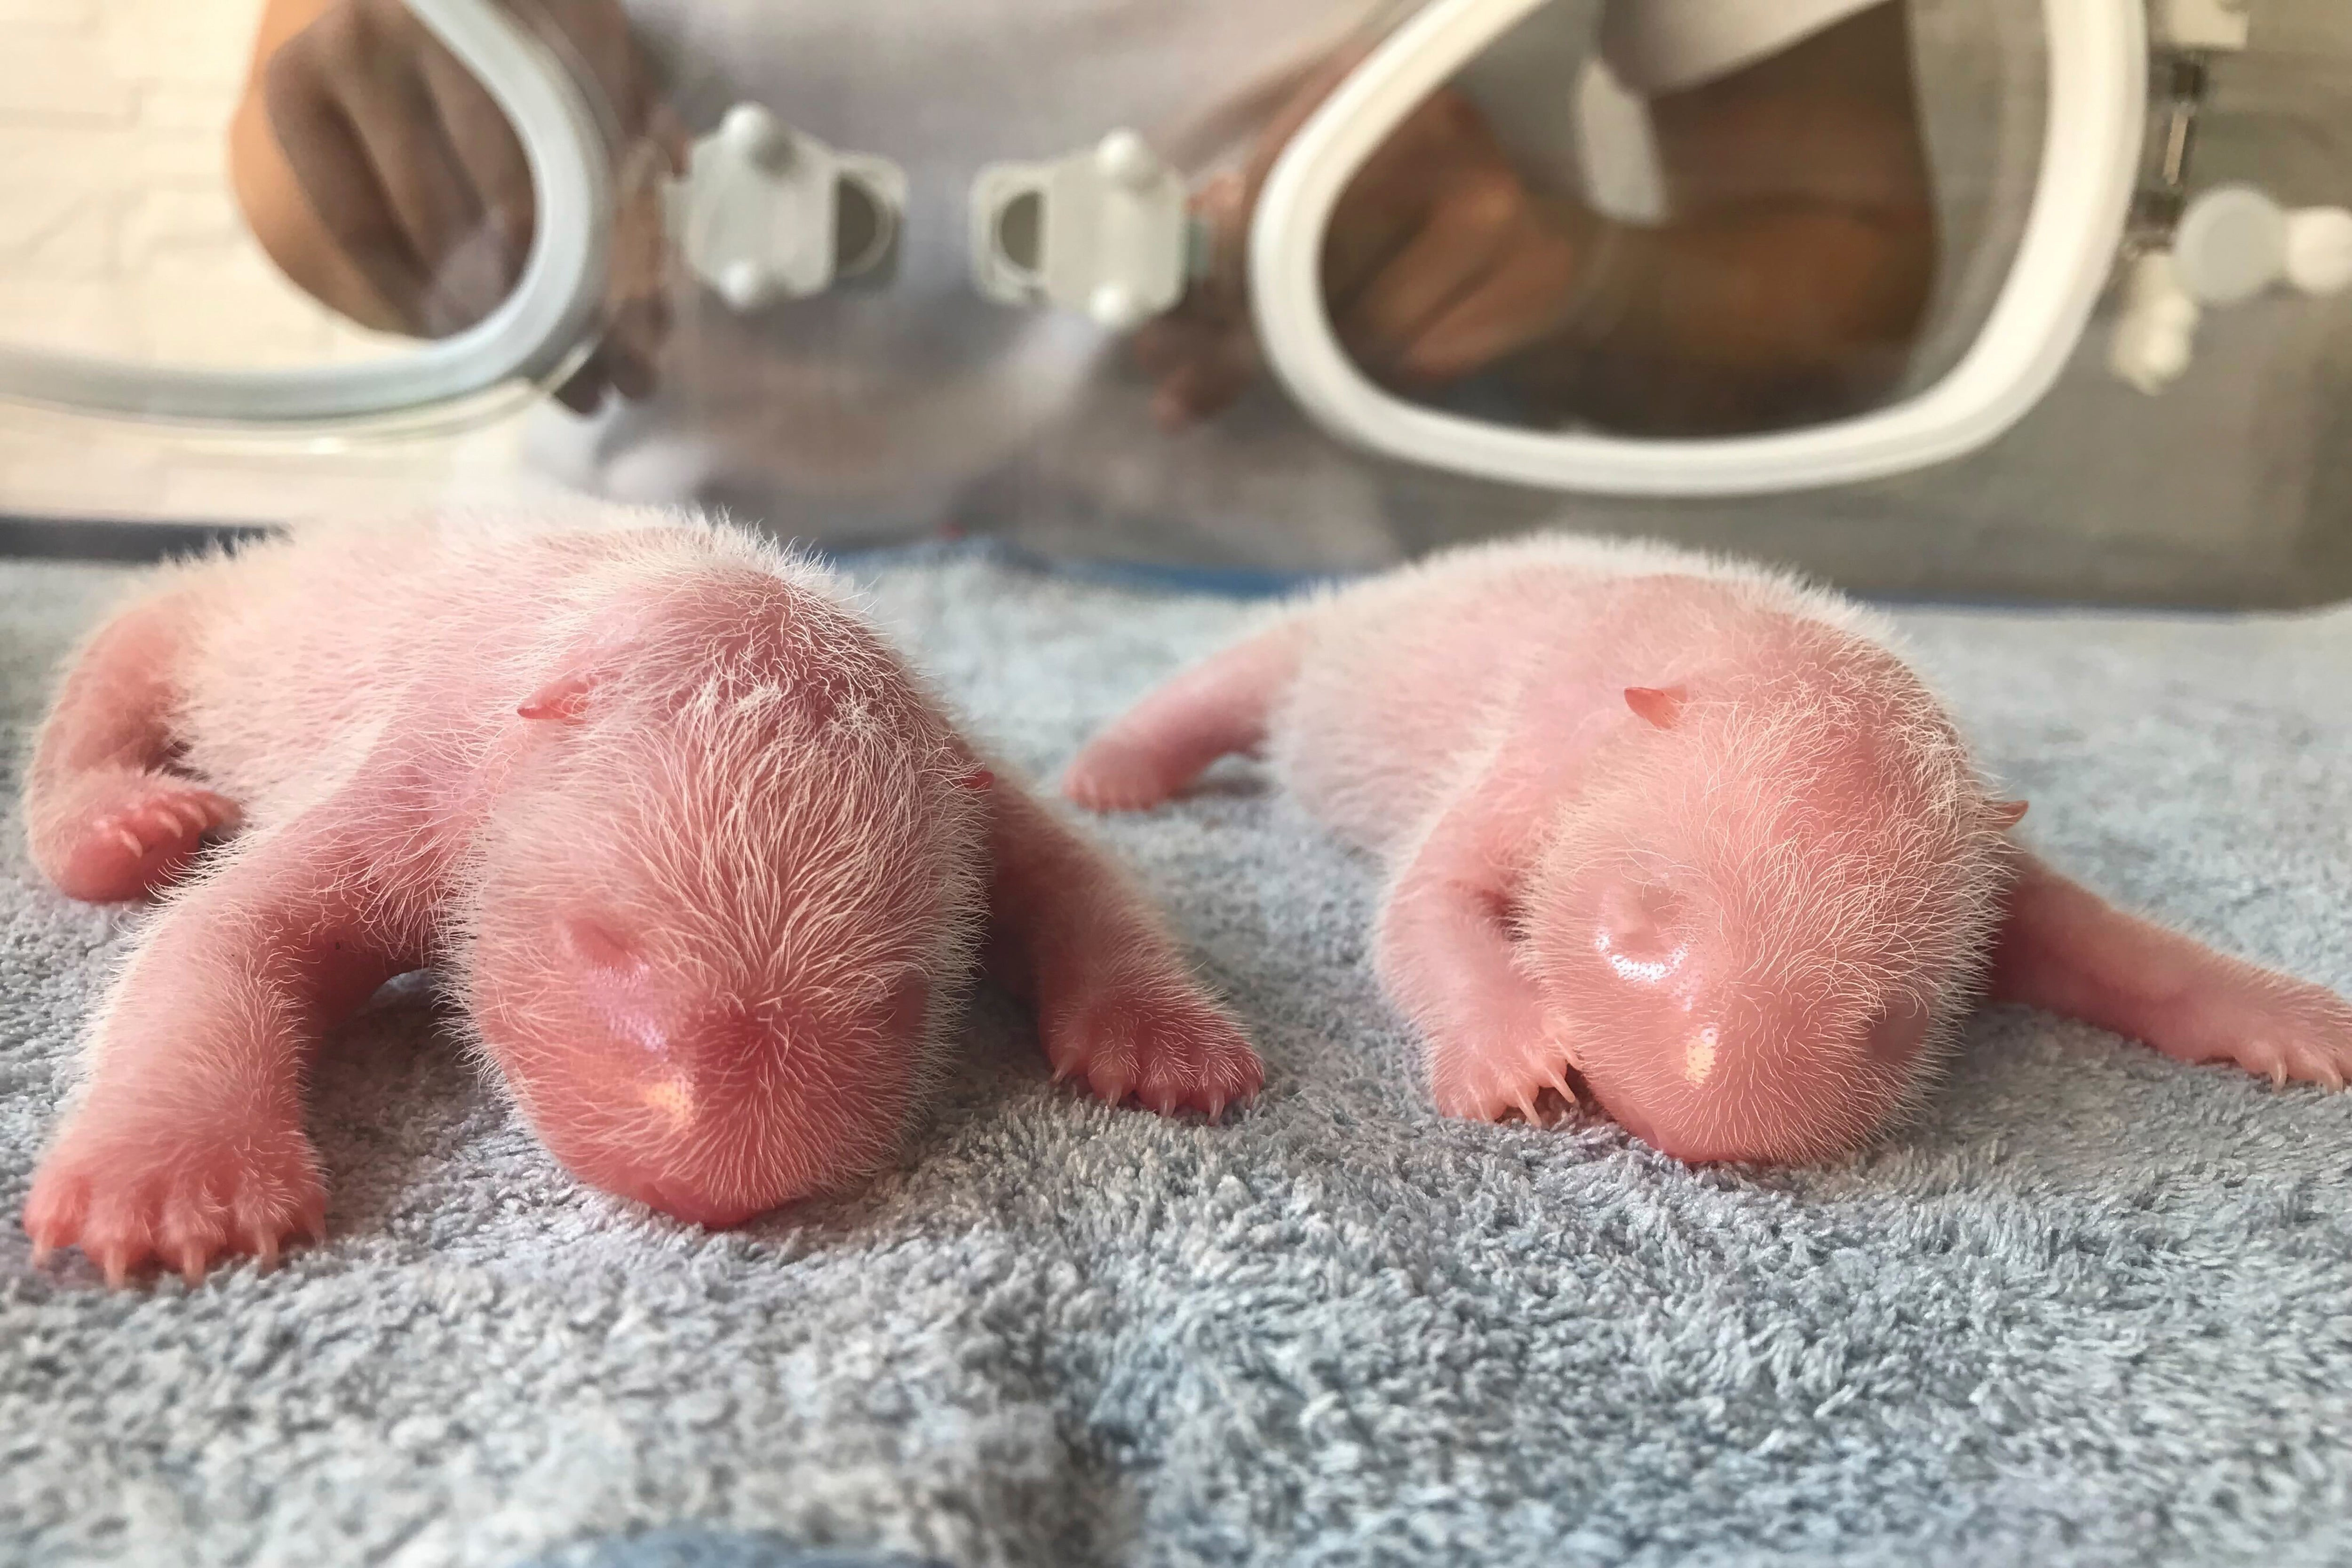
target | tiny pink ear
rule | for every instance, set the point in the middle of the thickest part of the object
(2009, 812)
(594, 943)
(980, 780)
(563, 701)
(1660, 707)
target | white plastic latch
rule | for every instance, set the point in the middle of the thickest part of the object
(2156, 332)
(2318, 260)
(1104, 232)
(2198, 25)
(2229, 245)
(767, 213)
(2232, 244)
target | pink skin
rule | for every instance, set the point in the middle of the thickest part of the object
(707, 866)
(1682, 838)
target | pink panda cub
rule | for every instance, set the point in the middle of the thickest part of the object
(1680, 836)
(708, 867)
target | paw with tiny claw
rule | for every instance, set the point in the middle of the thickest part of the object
(1155, 1038)
(1488, 1076)
(129, 1193)
(2281, 1029)
(122, 834)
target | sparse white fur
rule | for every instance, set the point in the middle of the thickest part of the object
(409, 714)
(1892, 907)
(706, 864)
(1799, 797)
(1355, 783)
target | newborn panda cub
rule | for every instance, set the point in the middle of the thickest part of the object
(1682, 835)
(707, 867)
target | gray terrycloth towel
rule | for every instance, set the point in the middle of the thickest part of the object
(2094, 1308)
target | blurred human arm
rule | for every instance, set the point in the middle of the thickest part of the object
(1788, 283)
(382, 179)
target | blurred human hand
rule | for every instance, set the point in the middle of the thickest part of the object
(1439, 261)
(1789, 284)
(382, 179)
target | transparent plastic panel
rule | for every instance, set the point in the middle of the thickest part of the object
(1581, 234)
(233, 221)
(1606, 223)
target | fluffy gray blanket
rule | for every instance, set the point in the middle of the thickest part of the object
(2096, 1308)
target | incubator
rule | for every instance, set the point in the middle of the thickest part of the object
(2036, 297)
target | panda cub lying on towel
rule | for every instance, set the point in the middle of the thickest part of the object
(1685, 838)
(709, 868)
